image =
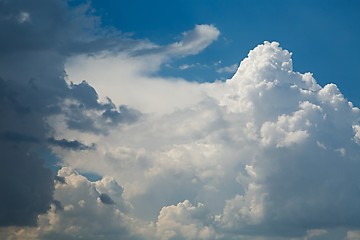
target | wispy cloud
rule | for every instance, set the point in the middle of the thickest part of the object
(122, 69)
(228, 69)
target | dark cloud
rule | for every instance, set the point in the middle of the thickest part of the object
(58, 205)
(86, 95)
(106, 199)
(26, 188)
(72, 145)
(17, 137)
(36, 39)
(60, 179)
(125, 114)
(87, 100)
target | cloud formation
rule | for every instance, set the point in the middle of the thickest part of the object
(195, 40)
(124, 71)
(241, 163)
(37, 38)
(267, 154)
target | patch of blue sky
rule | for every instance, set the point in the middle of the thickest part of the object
(323, 35)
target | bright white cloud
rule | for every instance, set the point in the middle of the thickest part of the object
(267, 153)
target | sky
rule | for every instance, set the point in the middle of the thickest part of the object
(179, 120)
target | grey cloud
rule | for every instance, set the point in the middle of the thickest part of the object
(60, 179)
(17, 137)
(71, 145)
(53, 26)
(85, 94)
(26, 188)
(58, 205)
(106, 199)
(87, 100)
(36, 39)
(125, 114)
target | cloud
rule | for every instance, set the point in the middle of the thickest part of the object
(125, 70)
(37, 38)
(184, 221)
(195, 40)
(105, 199)
(267, 154)
(74, 145)
(228, 69)
(97, 207)
(259, 165)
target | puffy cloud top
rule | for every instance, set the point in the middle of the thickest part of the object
(268, 153)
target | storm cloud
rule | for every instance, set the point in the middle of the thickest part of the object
(36, 39)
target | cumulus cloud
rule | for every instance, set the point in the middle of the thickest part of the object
(184, 221)
(268, 153)
(96, 207)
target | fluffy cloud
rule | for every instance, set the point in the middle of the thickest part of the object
(269, 153)
(184, 221)
(37, 38)
(83, 209)
(97, 207)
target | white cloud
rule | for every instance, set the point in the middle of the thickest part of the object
(80, 213)
(184, 221)
(264, 152)
(195, 40)
(186, 66)
(127, 77)
(228, 69)
(269, 154)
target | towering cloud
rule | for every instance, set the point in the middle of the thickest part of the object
(267, 154)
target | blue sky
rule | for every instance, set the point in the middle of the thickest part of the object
(323, 35)
(163, 120)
